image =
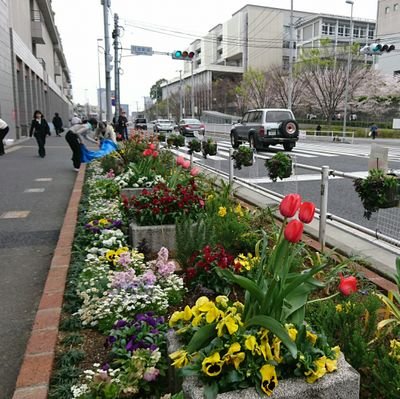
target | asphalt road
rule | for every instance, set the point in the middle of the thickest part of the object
(343, 201)
(27, 242)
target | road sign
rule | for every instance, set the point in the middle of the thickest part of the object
(140, 50)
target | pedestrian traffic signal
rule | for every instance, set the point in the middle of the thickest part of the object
(377, 48)
(182, 55)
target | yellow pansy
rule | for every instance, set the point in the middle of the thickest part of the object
(276, 345)
(213, 314)
(212, 365)
(230, 323)
(197, 320)
(312, 337)
(269, 380)
(121, 250)
(331, 365)
(291, 331)
(222, 300)
(103, 222)
(180, 358)
(110, 255)
(239, 306)
(266, 349)
(234, 356)
(201, 301)
(251, 344)
(339, 308)
(318, 372)
(221, 211)
(187, 313)
(176, 316)
(336, 351)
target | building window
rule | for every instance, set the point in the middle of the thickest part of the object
(285, 62)
(340, 30)
(370, 33)
(356, 31)
(286, 44)
(396, 7)
(387, 10)
(332, 30)
(324, 29)
(363, 32)
(347, 31)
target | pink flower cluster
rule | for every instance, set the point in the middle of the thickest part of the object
(185, 164)
(164, 267)
(150, 151)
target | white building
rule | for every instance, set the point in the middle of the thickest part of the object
(33, 69)
(388, 27)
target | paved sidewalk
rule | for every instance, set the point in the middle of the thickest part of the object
(34, 196)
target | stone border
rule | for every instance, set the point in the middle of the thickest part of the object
(35, 372)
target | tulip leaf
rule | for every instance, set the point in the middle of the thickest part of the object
(276, 328)
(201, 338)
(244, 282)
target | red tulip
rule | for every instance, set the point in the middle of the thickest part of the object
(306, 212)
(152, 146)
(293, 231)
(289, 205)
(195, 171)
(155, 154)
(348, 285)
(148, 152)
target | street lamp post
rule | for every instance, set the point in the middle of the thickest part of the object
(346, 92)
(100, 93)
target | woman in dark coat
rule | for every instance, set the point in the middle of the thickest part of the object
(40, 129)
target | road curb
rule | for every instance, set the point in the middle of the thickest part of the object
(35, 372)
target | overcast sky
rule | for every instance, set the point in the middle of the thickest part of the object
(80, 23)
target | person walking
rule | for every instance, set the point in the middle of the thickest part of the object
(374, 131)
(39, 129)
(58, 124)
(122, 126)
(3, 131)
(74, 139)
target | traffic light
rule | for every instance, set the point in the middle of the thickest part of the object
(182, 55)
(377, 48)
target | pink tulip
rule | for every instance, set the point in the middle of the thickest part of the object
(195, 171)
(290, 205)
(180, 160)
(293, 231)
(348, 285)
(186, 164)
(306, 212)
(152, 146)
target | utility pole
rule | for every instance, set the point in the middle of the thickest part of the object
(115, 35)
(192, 91)
(167, 101)
(180, 95)
(100, 91)
(291, 46)
(107, 58)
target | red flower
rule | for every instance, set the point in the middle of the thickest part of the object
(195, 171)
(179, 160)
(306, 212)
(190, 273)
(289, 205)
(147, 152)
(155, 154)
(185, 164)
(152, 146)
(348, 285)
(293, 231)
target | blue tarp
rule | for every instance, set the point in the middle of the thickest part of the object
(106, 147)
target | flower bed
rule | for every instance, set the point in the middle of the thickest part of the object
(266, 331)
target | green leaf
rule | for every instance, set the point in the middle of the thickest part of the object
(201, 338)
(211, 390)
(276, 328)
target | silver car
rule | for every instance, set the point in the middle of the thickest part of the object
(163, 125)
(191, 127)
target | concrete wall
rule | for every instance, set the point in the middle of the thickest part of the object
(6, 87)
(20, 19)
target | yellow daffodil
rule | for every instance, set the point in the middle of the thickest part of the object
(234, 356)
(269, 380)
(222, 300)
(222, 211)
(180, 359)
(212, 365)
(175, 317)
(318, 372)
(312, 337)
(230, 323)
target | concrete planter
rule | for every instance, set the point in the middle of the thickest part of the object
(155, 236)
(341, 384)
(130, 191)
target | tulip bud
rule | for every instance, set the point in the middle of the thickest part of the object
(185, 164)
(289, 205)
(348, 285)
(306, 212)
(293, 231)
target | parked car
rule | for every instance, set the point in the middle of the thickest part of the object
(265, 127)
(140, 124)
(163, 125)
(191, 127)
